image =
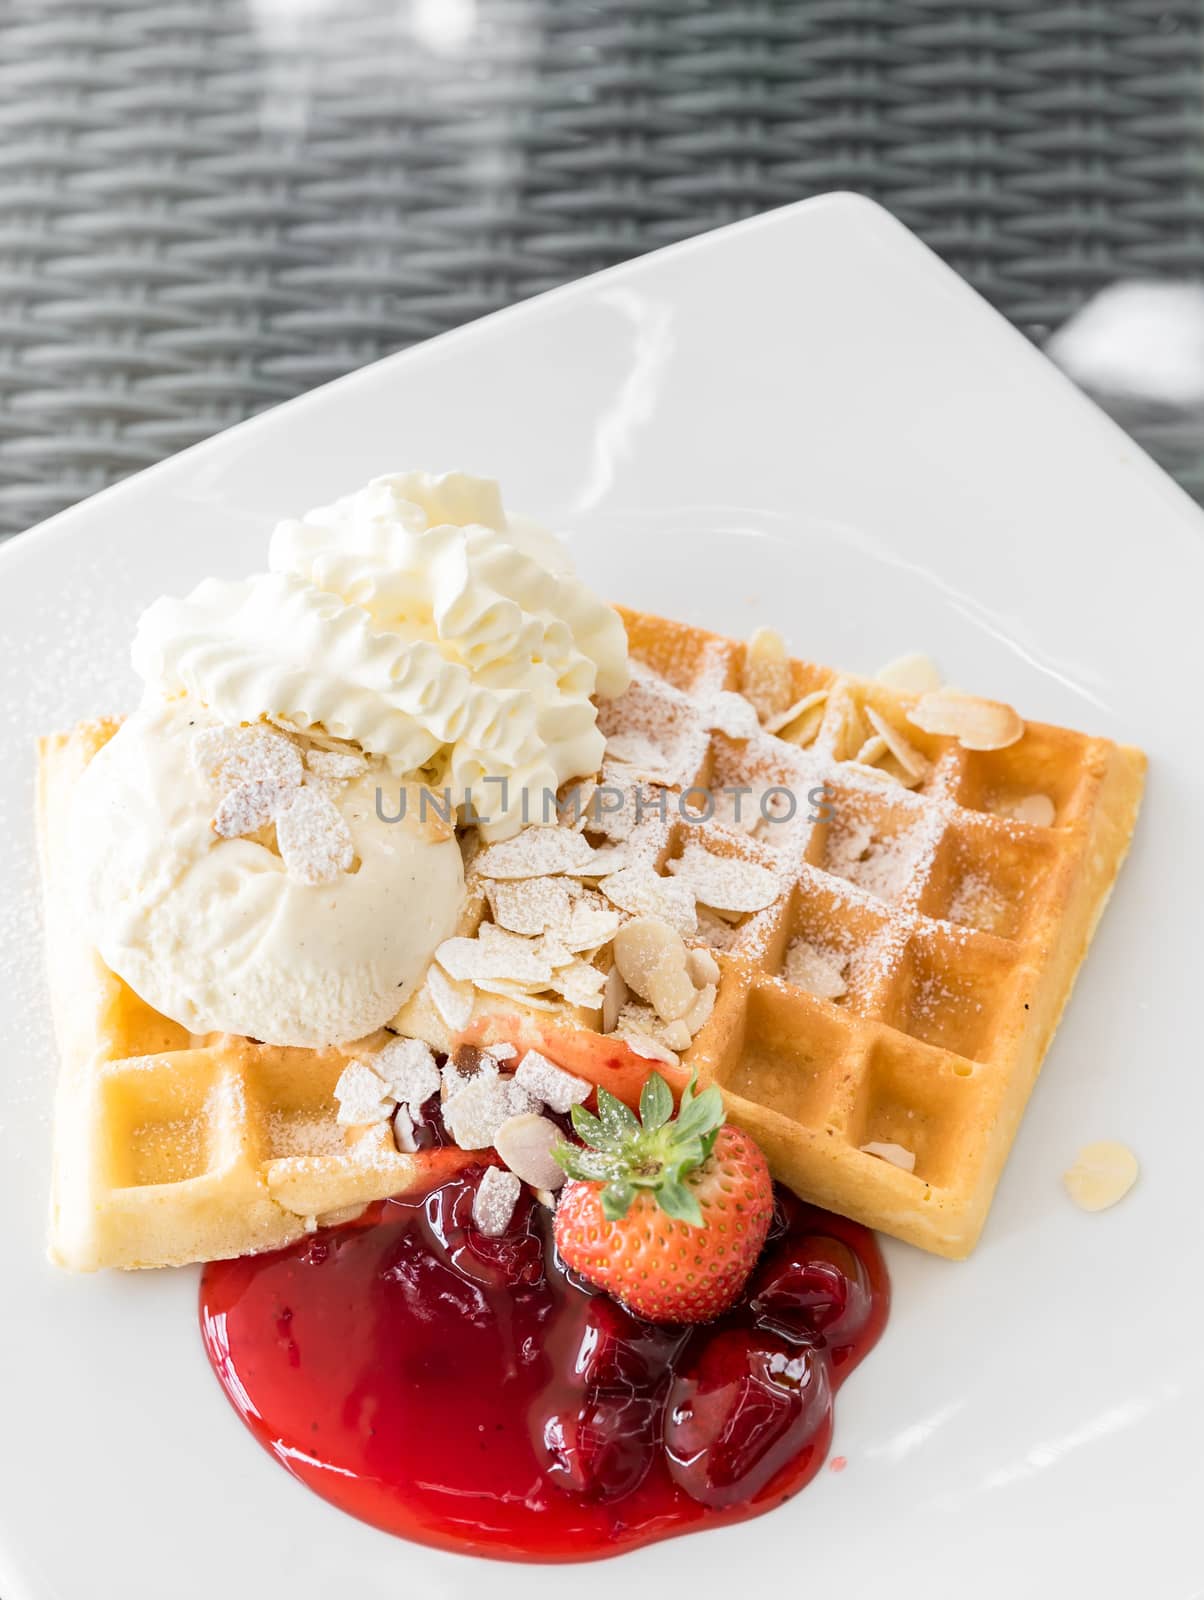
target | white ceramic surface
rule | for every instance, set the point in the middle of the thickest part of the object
(805, 420)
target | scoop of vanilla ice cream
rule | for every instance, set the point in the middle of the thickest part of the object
(418, 620)
(215, 933)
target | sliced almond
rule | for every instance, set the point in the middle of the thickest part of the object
(471, 959)
(702, 967)
(525, 1143)
(675, 1034)
(897, 1154)
(529, 905)
(363, 1097)
(913, 761)
(976, 724)
(453, 1001)
(534, 853)
(765, 678)
(640, 1029)
(314, 840)
(783, 719)
(651, 957)
(912, 674)
(874, 748)
(614, 998)
(559, 1090)
(527, 996)
(641, 891)
(580, 984)
(592, 922)
(700, 1012)
(1102, 1174)
(725, 883)
(494, 1202)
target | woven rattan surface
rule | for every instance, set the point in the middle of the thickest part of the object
(207, 206)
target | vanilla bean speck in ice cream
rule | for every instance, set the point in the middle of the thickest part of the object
(419, 634)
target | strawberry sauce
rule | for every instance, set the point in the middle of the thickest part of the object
(472, 1394)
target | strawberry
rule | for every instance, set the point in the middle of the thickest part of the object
(667, 1214)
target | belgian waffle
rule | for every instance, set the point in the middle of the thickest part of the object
(956, 928)
(960, 929)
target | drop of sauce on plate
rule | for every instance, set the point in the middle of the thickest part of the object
(473, 1394)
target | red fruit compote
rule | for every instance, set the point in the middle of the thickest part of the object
(472, 1393)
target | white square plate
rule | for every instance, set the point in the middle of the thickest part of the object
(804, 420)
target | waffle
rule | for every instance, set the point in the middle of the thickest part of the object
(959, 929)
(171, 1147)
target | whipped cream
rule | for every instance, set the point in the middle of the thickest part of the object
(216, 933)
(418, 620)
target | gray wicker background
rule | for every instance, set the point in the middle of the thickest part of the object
(207, 206)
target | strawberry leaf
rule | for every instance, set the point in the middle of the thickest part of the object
(702, 1115)
(616, 1117)
(588, 1128)
(678, 1201)
(654, 1151)
(656, 1103)
(616, 1200)
(588, 1166)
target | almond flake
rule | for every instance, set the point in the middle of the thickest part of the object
(362, 1096)
(1102, 1174)
(915, 764)
(229, 756)
(675, 1034)
(474, 1113)
(725, 883)
(976, 724)
(911, 674)
(638, 1027)
(898, 1155)
(494, 1202)
(800, 708)
(765, 678)
(529, 905)
(522, 994)
(874, 748)
(404, 1136)
(652, 959)
(1038, 810)
(522, 1101)
(699, 1013)
(468, 1063)
(559, 1090)
(314, 841)
(580, 984)
(525, 1143)
(614, 998)
(592, 923)
(702, 967)
(408, 1069)
(453, 1001)
(643, 892)
(472, 959)
(604, 860)
(246, 807)
(535, 853)
(335, 766)
(638, 750)
(820, 971)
